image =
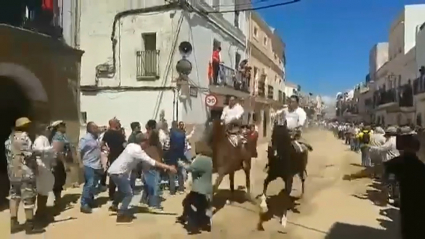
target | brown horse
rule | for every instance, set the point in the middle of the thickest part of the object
(227, 159)
(287, 163)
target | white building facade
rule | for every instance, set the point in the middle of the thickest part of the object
(393, 81)
(133, 77)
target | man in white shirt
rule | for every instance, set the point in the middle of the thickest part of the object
(120, 171)
(295, 118)
(232, 113)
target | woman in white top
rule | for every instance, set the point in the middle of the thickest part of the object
(45, 160)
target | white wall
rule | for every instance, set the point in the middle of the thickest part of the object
(420, 48)
(171, 28)
(414, 17)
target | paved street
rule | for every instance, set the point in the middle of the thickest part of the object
(331, 208)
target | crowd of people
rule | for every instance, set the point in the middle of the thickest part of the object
(390, 155)
(38, 164)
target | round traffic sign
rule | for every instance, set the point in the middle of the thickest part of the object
(210, 100)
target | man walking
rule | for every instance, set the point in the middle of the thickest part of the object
(90, 153)
(120, 171)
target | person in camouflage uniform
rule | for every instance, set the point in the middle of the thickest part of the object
(22, 170)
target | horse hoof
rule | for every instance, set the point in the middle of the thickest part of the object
(260, 227)
(283, 221)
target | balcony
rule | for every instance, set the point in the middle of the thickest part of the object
(397, 99)
(233, 79)
(147, 65)
(36, 18)
(419, 88)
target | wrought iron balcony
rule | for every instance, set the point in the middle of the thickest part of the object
(229, 77)
(402, 95)
(419, 85)
(147, 64)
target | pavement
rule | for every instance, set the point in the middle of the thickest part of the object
(331, 208)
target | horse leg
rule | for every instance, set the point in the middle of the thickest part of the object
(247, 170)
(302, 178)
(232, 185)
(217, 183)
(263, 197)
(288, 185)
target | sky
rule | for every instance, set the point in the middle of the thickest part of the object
(328, 41)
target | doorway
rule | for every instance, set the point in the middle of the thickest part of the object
(265, 123)
(14, 103)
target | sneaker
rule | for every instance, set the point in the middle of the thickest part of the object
(155, 210)
(113, 208)
(123, 218)
(86, 209)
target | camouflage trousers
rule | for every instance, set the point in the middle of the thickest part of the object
(24, 190)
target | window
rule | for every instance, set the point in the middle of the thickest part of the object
(147, 61)
(265, 40)
(83, 117)
(270, 92)
(237, 60)
(216, 4)
(255, 32)
(149, 41)
(419, 119)
(236, 23)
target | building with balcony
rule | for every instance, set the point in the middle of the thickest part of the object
(393, 82)
(266, 57)
(134, 50)
(419, 82)
(38, 76)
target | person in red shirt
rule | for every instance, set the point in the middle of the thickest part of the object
(254, 136)
(216, 64)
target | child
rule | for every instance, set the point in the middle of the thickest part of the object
(200, 195)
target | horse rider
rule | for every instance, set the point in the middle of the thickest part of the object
(295, 118)
(232, 115)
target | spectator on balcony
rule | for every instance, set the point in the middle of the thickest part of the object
(216, 59)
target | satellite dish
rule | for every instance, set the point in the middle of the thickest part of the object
(185, 48)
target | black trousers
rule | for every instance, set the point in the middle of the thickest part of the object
(111, 186)
(59, 173)
(196, 219)
(215, 68)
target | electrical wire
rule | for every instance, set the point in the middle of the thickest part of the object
(257, 8)
(244, 4)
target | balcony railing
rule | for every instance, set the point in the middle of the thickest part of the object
(147, 64)
(419, 85)
(402, 95)
(238, 80)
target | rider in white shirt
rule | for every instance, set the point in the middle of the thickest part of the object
(294, 116)
(232, 113)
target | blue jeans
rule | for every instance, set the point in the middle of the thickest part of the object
(124, 195)
(91, 177)
(150, 195)
(365, 152)
(180, 180)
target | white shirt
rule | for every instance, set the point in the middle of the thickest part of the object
(293, 119)
(42, 145)
(132, 155)
(163, 138)
(389, 149)
(233, 113)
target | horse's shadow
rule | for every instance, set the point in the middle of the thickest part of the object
(279, 204)
(222, 196)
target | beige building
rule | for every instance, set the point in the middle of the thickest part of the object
(266, 56)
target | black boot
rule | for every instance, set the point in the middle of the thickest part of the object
(15, 227)
(58, 197)
(31, 229)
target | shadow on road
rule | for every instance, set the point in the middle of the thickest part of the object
(347, 231)
(222, 195)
